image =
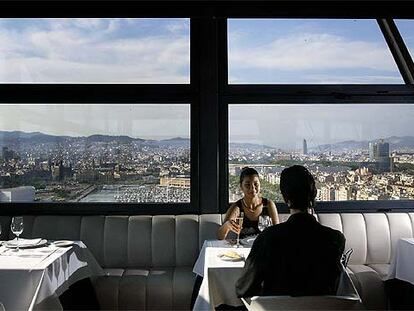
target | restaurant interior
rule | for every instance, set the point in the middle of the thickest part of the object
(124, 126)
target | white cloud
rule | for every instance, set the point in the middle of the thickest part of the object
(86, 53)
(307, 51)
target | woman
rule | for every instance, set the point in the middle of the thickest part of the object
(252, 205)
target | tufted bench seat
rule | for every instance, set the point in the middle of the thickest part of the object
(149, 259)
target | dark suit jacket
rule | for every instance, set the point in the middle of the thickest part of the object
(298, 257)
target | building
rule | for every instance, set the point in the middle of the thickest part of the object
(179, 182)
(342, 193)
(380, 153)
(18, 194)
(326, 193)
(305, 147)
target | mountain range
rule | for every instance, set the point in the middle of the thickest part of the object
(20, 137)
(404, 142)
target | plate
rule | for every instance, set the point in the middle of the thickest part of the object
(231, 256)
(63, 243)
(13, 245)
(224, 258)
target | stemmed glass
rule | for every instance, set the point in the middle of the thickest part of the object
(17, 228)
(239, 222)
(264, 222)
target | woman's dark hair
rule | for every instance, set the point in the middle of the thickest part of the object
(298, 186)
(247, 171)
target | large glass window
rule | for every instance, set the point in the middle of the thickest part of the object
(104, 50)
(95, 152)
(355, 151)
(406, 28)
(311, 51)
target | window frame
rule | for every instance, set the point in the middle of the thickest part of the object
(208, 93)
(108, 93)
(319, 94)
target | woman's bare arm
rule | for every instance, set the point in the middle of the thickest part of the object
(229, 223)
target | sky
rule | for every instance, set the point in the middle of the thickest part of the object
(148, 121)
(309, 51)
(285, 126)
(95, 50)
(157, 51)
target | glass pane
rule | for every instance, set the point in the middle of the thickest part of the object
(111, 50)
(355, 152)
(406, 28)
(298, 51)
(95, 153)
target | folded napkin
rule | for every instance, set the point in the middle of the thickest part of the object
(24, 242)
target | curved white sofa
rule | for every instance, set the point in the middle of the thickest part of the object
(149, 259)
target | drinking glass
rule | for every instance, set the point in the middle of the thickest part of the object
(239, 221)
(264, 222)
(17, 228)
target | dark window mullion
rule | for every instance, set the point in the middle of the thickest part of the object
(94, 93)
(319, 93)
(398, 49)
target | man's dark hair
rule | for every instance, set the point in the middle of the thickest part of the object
(247, 171)
(298, 186)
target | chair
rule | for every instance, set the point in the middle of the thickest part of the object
(346, 298)
(262, 303)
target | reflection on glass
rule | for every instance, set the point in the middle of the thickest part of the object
(95, 153)
(94, 50)
(311, 51)
(355, 151)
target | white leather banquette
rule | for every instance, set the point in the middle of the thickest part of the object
(149, 259)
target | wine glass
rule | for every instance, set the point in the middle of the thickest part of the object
(239, 222)
(264, 222)
(17, 228)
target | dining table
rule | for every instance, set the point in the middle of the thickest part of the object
(399, 282)
(219, 274)
(33, 278)
(402, 264)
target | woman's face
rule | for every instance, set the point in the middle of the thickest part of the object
(250, 186)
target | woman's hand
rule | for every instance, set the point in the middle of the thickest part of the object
(231, 225)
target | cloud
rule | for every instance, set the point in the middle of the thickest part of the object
(311, 52)
(94, 50)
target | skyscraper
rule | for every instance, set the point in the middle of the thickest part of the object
(380, 153)
(305, 147)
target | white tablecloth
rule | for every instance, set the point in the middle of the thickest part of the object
(209, 265)
(34, 278)
(218, 286)
(402, 265)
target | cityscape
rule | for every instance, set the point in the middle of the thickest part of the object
(97, 168)
(378, 170)
(102, 168)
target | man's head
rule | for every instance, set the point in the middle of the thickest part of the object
(298, 188)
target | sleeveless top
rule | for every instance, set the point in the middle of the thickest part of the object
(251, 227)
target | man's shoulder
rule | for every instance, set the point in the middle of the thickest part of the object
(333, 233)
(275, 230)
